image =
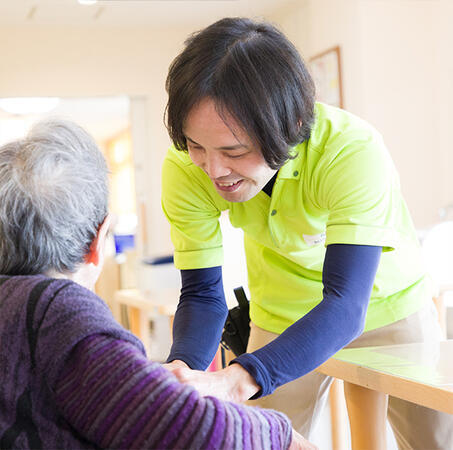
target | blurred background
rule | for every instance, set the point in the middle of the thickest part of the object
(104, 63)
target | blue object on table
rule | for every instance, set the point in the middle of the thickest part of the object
(123, 242)
(167, 259)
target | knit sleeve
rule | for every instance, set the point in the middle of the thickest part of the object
(114, 397)
(202, 301)
(348, 275)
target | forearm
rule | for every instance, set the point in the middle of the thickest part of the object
(301, 348)
(116, 398)
(199, 318)
(196, 335)
(339, 318)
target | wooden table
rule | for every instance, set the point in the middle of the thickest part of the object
(419, 373)
(139, 307)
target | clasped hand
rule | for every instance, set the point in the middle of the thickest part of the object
(233, 383)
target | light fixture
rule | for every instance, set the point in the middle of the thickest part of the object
(29, 105)
(88, 2)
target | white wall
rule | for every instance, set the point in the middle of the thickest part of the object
(397, 72)
(84, 61)
(445, 95)
(402, 75)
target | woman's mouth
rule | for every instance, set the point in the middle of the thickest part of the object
(228, 187)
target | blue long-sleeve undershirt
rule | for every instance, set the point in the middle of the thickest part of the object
(348, 276)
(199, 318)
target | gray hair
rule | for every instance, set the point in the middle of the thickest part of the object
(53, 198)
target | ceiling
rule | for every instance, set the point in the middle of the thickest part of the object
(157, 13)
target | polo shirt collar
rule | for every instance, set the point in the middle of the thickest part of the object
(292, 168)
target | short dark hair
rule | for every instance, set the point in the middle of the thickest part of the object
(252, 72)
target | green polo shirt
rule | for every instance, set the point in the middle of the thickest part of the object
(341, 188)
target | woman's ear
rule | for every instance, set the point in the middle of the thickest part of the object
(96, 252)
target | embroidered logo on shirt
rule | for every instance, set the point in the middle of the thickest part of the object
(314, 239)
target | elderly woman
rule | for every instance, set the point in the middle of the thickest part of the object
(71, 377)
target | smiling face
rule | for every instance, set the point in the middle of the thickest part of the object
(226, 153)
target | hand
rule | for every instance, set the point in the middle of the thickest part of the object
(171, 366)
(298, 442)
(233, 383)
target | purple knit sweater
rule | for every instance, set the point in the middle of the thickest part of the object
(71, 377)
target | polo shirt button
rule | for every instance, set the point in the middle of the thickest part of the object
(295, 173)
(273, 212)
